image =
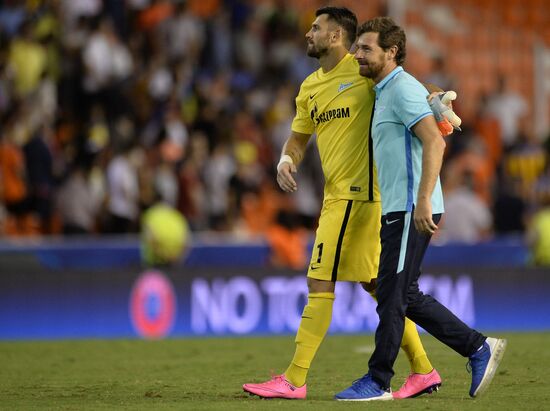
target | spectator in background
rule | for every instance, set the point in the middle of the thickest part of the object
(26, 61)
(13, 176)
(440, 74)
(487, 126)
(12, 16)
(184, 34)
(161, 81)
(538, 235)
(3, 217)
(510, 108)
(74, 10)
(155, 14)
(249, 47)
(192, 195)
(164, 235)
(246, 180)
(509, 208)
(542, 185)
(170, 150)
(5, 88)
(39, 164)
(467, 218)
(220, 43)
(288, 241)
(218, 171)
(525, 161)
(77, 204)
(107, 62)
(123, 191)
(468, 155)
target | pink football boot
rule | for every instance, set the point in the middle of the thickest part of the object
(418, 384)
(277, 387)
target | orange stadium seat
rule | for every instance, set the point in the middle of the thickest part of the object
(484, 61)
(463, 15)
(456, 41)
(414, 18)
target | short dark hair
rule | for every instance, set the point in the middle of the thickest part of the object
(344, 17)
(389, 34)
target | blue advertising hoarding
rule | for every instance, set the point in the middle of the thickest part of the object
(43, 300)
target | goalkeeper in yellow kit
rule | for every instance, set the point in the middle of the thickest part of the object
(336, 103)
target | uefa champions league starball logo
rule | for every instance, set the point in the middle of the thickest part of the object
(153, 305)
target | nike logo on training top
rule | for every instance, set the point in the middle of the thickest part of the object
(344, 86)
(312, 95)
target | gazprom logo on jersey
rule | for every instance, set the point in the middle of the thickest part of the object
(153, 305)
(241, 305)
(341, 112)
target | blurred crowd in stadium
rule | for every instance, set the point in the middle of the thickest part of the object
(108, 107)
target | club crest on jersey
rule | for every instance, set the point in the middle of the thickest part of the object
(344, 86)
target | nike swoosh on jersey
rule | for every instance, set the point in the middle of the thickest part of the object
(312, 267)
(312, 95)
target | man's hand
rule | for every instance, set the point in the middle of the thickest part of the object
(292, 153)
(285, 169)
(423, 217)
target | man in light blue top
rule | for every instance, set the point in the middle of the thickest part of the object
(401, 104)
(408, 153)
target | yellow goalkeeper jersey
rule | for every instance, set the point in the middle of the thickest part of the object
(338, 106)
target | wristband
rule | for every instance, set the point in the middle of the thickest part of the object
(285, 158)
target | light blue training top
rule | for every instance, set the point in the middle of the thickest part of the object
(400, 104)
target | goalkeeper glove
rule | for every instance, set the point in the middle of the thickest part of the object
(447, 120)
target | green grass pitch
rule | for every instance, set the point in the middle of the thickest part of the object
(207, 374)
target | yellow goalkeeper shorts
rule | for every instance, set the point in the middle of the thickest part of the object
(347, 241)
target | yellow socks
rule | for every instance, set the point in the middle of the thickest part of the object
(316, 319)
(412, 346)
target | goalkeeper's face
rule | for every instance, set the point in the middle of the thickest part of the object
(319, 37)
(371, 57)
